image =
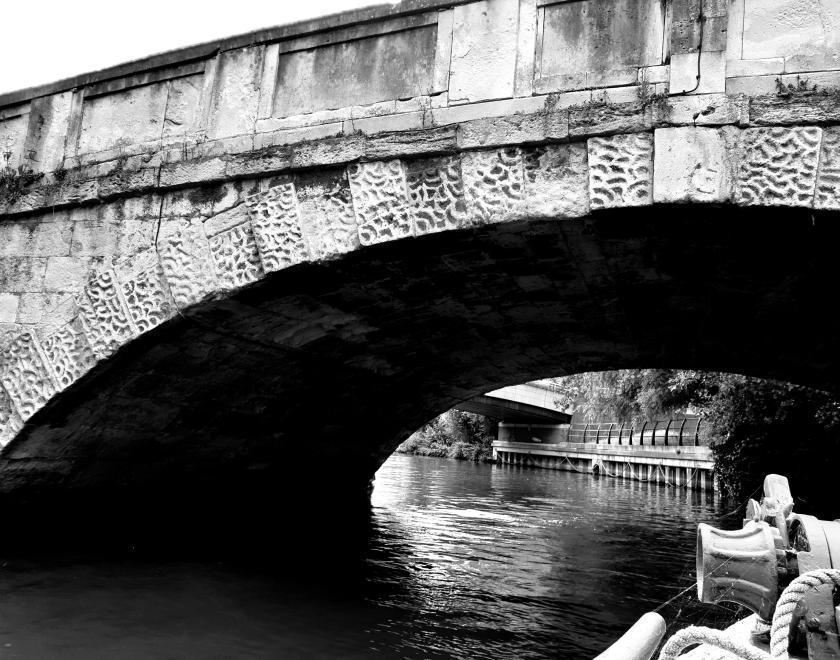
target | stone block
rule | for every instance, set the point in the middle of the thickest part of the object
(436, 194)
(394, 65)
(604, 119)
(187, 262)
(275, 221)
(95, 234)
(483, 64)
(514, 129)
(327, 217)
(42, 236)
(128, 117)
(34, 308)
(68, 353)
(182, 106)
(12, 138)
(442, 139)
(48, 127)
(778, 166)
(712, 73)
(236, 92)
(556, 181)
(234, 249)
(702, 110)
(620, 171)
(766, 67)
(774, 110)
(494, 182)
(828, 177)
(8, 307)
(25, 375)
(20, 274)
(693, 165)
(380, 200)
(144, 290)
(104, 317)
(804, 33)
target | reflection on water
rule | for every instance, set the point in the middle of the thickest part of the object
(456, 560)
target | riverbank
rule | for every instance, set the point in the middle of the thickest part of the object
(454, 434)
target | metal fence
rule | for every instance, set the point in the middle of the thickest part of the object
(666, 432)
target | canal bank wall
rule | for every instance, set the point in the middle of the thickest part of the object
(690, 467)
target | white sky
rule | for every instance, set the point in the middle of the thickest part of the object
(46, 40)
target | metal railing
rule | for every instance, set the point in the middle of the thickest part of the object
(666, 432)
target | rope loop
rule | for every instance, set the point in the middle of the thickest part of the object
(788, 601)
(701, 635)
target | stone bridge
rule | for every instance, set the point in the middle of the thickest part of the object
(222, 264)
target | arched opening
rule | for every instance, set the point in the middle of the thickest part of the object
(226, 409)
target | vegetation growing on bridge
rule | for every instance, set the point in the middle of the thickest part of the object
(14, 180)
(754, 426)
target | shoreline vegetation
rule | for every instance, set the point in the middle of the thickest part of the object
(755, 427)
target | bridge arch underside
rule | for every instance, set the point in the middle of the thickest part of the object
(302, 384)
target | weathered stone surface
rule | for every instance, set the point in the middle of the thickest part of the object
(515, 129)
(828, 178)
(236, 93)
(693, 165)
(701, 110)
(556, 181)
(35, 308)
(774, 110)
(234, 249)
(806, 34)
(275, 221)
(19, 274)
(10, 421)
(48, 126)
(327, 217)
(37, 237)
(483, 51)
(143, 290)
(187, 262)
(103, 314)
(600, 119)
(436, 194)
(182, 106)
(25, 376)
(68, 352)
(778, 166)
(380, 200)
(12, 138)
(495, 184)
(9, 303)
(620, 171)
(395, 65)
(582, 39)
(128, 117)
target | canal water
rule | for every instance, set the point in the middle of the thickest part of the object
(455, 560)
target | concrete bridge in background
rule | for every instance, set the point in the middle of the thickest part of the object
(529, 403)
(222, 263)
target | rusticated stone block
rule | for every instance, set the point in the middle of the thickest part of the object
(187, 263)
(105, 320)
(380, 200)
(234, 248)
(556, 181)
(68, 352)
(275, 221)
(693, 165)
(620, 171)
(778, 166)
(326, 213)
(494, 182)
(436, 194)
(144, 291)
(25, 375)
(10, 421)
(828, 177)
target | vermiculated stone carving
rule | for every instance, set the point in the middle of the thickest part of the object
(10, 421)
(68, 352)
(143, 291)
(326, 213)
(25, 376)
(620, 170)
(556, 181)
(276, 225)
(494, 182)
(236, 256)
(187, 264)
(828, 177)
(436, 194)
(779, 166)
(104, 318)
(380, 200)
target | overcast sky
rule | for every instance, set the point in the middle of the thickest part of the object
(46, 40)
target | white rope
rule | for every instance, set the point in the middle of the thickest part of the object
(700, 635)
(787, 604)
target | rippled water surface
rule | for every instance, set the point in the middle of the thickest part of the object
(455, 561)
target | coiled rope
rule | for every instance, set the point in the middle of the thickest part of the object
(779, 630)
